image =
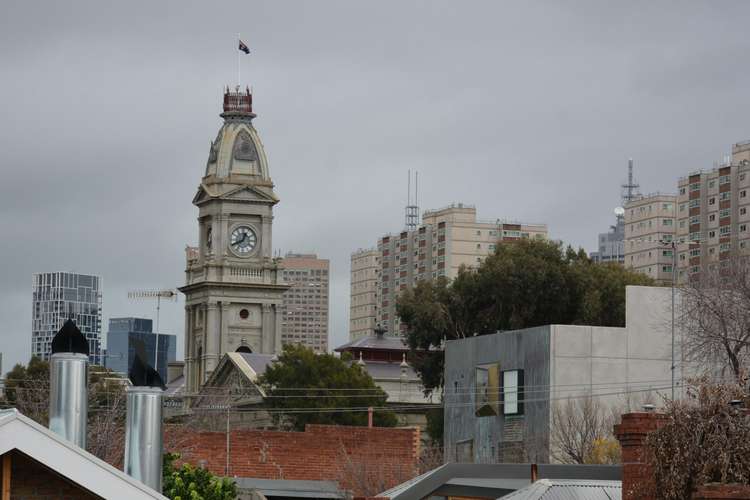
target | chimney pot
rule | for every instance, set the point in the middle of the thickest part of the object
(648, 407)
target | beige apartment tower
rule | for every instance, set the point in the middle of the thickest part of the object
(713, 215)
(649, 232)
(365, 277)
(305, 307)
(446, 239)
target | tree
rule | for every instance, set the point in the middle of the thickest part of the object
(191, 483)
(581, 433)
(704, 439)
(715, 317)
(301, 386)
(525, 283)
(27, 389)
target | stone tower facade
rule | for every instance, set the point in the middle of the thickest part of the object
(234, 287)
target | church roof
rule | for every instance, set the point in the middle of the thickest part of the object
(375, 342)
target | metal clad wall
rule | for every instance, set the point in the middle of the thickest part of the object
(527, 350)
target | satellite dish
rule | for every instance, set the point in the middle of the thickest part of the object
(619, 211)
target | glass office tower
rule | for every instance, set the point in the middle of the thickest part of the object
(60, 296)
(127, 335)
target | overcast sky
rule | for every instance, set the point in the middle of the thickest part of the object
(528, 110)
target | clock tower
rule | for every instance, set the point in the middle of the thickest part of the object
(233, 291)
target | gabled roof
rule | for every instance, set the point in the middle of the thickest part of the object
(18, 432)
(249, 365)
(569, 489)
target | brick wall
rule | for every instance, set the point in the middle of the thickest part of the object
(363, 460)
(31, 480)
(717, 491)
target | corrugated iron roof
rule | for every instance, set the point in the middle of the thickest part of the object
(568, 489)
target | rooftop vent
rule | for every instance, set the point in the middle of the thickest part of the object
(68, 372)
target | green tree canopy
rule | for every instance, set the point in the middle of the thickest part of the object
(304, 383)
(525, 283)
(192, 483)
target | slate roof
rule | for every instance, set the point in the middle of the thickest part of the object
(385, 342)
(568, 489)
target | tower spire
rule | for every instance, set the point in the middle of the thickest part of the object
(630, 188)
(411, 219)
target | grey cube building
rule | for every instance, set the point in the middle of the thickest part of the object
(125, 335)
(501, 389)
(60, 296)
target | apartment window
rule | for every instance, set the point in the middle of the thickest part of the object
(683, 206)
(725, 247)
(666, 206)
(695, 236)
(743, 193)
(742, 177)
(666, 238)
(712, 234)
(695, 269)
(696, 186)
(743, 210)
(711, 217)
(725, 230)
(725, 196)
(512, 395)
(711, 184)
(695, 220)
(743, 228)
(724, 179)
(682, 224)
(712, 200)
(667, 222)
(695, 252)
(666, 253)
(723, 213)
(682, 190)
(666, 269)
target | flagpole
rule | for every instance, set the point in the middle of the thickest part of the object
(239, 75)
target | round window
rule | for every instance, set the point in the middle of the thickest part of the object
(244, 313)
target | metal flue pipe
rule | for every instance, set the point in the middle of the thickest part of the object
(68, 403)
(143, 426)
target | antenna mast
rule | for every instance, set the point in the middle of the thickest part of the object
(411, 220)
(630, 189)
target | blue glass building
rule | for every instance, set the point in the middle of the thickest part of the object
(128, 334)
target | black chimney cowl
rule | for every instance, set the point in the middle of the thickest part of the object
(70, 339)
(141, 373)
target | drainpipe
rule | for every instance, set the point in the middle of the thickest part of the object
(143, 426)
(68, 372)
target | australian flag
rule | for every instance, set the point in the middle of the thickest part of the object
(244, 48)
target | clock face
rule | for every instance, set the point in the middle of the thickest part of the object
(243, 240)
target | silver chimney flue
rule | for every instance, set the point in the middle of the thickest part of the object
(68, 370)
(143, 428)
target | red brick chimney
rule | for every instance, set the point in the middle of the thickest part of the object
(632, 432)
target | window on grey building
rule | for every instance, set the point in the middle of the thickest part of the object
(512, 393)
(487, 389)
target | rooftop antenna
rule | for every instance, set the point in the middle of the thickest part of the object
(412, 210)
(630, 189)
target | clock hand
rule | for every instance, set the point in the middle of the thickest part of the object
(244, 235)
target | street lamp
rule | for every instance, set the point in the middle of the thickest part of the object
(673, 245)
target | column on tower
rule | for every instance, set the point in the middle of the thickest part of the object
(267, 341)
(213, 344)
(277, 327)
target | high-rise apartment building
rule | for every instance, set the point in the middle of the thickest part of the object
(305, 304)
(447, 239)
(649, 230)
(365, 277)
(127, 335)
(712, 215)
(60, 296)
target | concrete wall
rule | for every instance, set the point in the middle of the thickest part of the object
(497, 438)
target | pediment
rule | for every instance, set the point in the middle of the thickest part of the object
(249, 194)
